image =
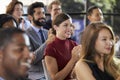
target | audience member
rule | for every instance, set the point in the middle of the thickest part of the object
(14, 54)
(94, 13)
(117, 46)
(97, 54)
(15, 8)
(39, 38)
(62, 54)
(54, 8)
(7, 21)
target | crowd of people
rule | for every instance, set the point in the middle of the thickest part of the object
(25, 43)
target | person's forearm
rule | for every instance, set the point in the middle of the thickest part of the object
(61, 75)
(39, 53)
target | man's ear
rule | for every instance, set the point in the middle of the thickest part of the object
(89, 17)
(55, 27)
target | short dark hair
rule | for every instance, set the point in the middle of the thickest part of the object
(11, 6)
(6, 35)
(90, 9)
(5, 18)
(33, 6)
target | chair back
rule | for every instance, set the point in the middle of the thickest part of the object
(47, 75)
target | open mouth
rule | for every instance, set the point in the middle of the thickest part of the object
(26, 64)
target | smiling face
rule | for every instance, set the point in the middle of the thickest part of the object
(96, 15)
(38, 18)
(18, 11)
(56, 9)
(15, 59)
(104, 42)
(64, 30)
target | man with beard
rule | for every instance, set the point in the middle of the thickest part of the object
(39, 38)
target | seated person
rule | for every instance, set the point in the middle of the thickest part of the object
(14, 54)
(61, 54)
(97, 54)
(15, 8)
(94, 14)
(7, 21)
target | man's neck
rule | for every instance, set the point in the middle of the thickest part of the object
(36, 25)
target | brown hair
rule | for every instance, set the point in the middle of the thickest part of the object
(89, 37)
(11, 6)
(52, 3)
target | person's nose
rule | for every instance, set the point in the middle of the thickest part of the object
(26, 53)
(100, 18)
(110, 42)
(58, 11)
(42, 15)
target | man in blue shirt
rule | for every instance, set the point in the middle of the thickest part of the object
(39, 38)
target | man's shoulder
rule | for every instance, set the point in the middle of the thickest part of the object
(30, 29)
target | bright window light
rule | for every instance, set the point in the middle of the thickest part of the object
(25, 2)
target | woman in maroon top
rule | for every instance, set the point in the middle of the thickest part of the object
(62, 54)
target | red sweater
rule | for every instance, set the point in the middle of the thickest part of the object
(61, 51)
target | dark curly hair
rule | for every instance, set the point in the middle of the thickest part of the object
(5, 18)
(33, 6)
